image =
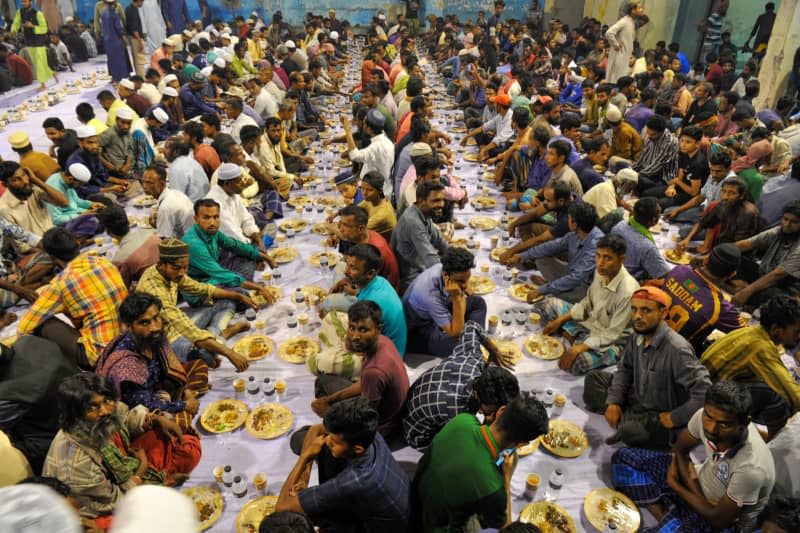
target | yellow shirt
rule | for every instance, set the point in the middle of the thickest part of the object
(118, 104)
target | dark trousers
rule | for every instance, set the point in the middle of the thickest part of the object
(430, 338)
(648, 186)
(639, 427)
(66, 337)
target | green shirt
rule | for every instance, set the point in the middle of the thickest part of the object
(204, 257)
(457, 478)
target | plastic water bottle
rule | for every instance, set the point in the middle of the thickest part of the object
(554, 485)
(227, 475)
(611, 527)
(252, 390)
(239, 487)
(548, 398)
(504, 220)
(267, 240)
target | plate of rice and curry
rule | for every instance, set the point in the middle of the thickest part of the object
(269, 421)
(297, 349)
(209, 504)
(223, 416)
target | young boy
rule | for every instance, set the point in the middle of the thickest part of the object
(60, 53)
(692, 170)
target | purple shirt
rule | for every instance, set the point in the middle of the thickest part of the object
(638, 115)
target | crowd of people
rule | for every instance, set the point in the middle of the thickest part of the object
(596, 145)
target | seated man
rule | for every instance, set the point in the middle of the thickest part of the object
(79, 215)
(103, 450)
(461, 383)
(782, 514)
(599, 325)
(143, 369)
(467, 450)
(30, 372)
(777, 272)
(235, 220)
(567, 281)
(186, 332)
(643, 259)
(437, 304)
(416, 240)
(206, 246)
(534, 227)
(175, 211)
(136, 251)
(384, 380)
(731, 487)
(362, 282)
(352, 230)
(101, 185)
(88, 291)
(659, 160)
(692, 172)
(719, 170)
(26, 199)
(750, 355)
(659, 381)
(361, 486)
(698, 303)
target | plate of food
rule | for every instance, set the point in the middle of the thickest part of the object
(472, 142)
(676, 257)
(209, 504)
(321, 228)
(283, 254)
(508, 349)
(324, 134)
(480, 285)
(254, 512)
(297, 349)
(488, 176)
(332, 257)
(255, 347)
(223, 416)
(519, 292)
(313, 292)
(656, 228)
(483, 223)
(605, 505)
(274, 290)
(341, 162)
(459, 242)
(472, 157)
(549, 517)
(269, 421)
(565, 439)
(484, 202)
(529, 448)
(295, 224)
(544, 347)
(459, 129)
(331, 201)
(299, 201)
(497, 253)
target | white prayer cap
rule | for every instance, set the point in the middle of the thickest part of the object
(169, 91)
(214, 31)
(228, 172)
(68, 20)
(198, 21)
(220, 62)
(205, 71)
(254, 13)
(628, 175)
(32, 507)
(234, 40)
(125, 113)
(156, 510)
(84, 132)
(382, 16)
(169, 78)
(128, 84)
(167, 42)
(227, 57)
(334, 35)
(80, 172)
(225, 35)
(290, 44)
(187, 33)
(160, 115)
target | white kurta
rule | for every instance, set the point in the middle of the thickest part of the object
(622, 33)
(153, 24)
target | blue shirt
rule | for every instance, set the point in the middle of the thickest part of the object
(382, 293)
(587, 175)
(193, 103)
(75, 205)
(573, 153)
(99, 172)
(581, 263)
(186, 175)
(371, 494)
(686, 66)
(638, 115)
(572, 94)
(642, 259)
(426, 301)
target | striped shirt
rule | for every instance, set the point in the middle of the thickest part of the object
(749, 355)
(714, 28)
(88, 291)
(659, 159)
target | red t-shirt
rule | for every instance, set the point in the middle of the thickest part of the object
(384, 381)
(389, 269)
(20, 69)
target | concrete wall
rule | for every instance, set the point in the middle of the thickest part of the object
(663, 15)
(777, 64)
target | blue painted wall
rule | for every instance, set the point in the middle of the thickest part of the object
(360, 12)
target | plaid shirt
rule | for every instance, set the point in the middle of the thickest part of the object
(442, 392)
(176, 323)
(88, 291)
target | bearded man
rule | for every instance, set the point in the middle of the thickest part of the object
(103, 449)
(142, 367)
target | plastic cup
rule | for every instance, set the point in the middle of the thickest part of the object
(218, 470)
(260, 483)
(532, 483)
(493, 321)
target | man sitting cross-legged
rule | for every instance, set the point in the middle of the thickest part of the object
(142, 367)
(103, 450)
(600, 324)
(727, 492)
(185, 331)
(361, 486)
